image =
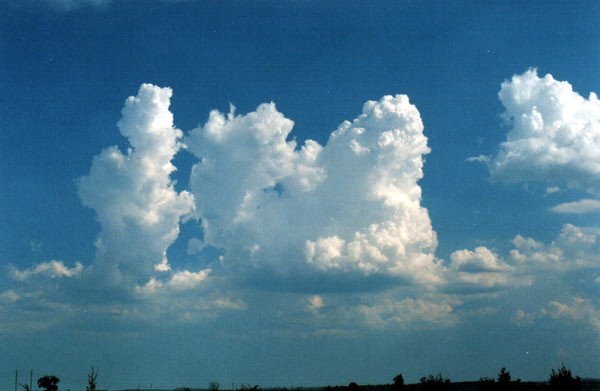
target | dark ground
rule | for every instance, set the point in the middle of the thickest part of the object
(586, 385)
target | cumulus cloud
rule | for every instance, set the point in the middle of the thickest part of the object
(554, 135)
(575, 247)
(481, 267)
(349, 210)
(178, 281)
(409, 311)
(132, 193)
(351, 206)
(577, 309)
(52, 269)
(578, 207)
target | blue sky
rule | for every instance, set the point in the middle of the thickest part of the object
(298, 193)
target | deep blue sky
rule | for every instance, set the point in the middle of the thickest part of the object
(66, 68)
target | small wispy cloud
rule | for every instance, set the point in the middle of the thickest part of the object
(315, 303)
(52, 269)
(587, 205)
(408, 312)
(59, 5)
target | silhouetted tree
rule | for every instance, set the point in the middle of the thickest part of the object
(435, 383)
(213, 386)
(398, 383)
(353, 386)
(563, 380)
(48, 383)
(504, 380)
(504, 376)
(92, 380)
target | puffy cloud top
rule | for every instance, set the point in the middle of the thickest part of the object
(351, 206)
(555, 134)
(481, 267)
(575, 247)
(132, 193)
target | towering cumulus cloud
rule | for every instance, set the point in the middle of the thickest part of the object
(352, 206)
(132, 193)
(555, 134)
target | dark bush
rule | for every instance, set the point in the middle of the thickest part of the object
(48, 383)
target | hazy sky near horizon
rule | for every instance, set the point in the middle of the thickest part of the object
(298, 192)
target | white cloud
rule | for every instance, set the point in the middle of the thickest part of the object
(577, 309)
(480, 159)
(264, 202)
(132, 194)
(554, 136)
(350, 206)
(481, 267)
(574, 248)
(152, 286)
(185, 279)
(348, 209)
(578, 207)
(314, 303)
(408, 312)
(9, 297)
(52, 269)
(179, 281)
(480, 260)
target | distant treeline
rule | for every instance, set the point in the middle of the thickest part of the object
(560, 380)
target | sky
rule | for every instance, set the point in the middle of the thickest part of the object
(298, 193)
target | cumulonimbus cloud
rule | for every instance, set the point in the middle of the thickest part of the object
(351, 206)
(554, 135)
